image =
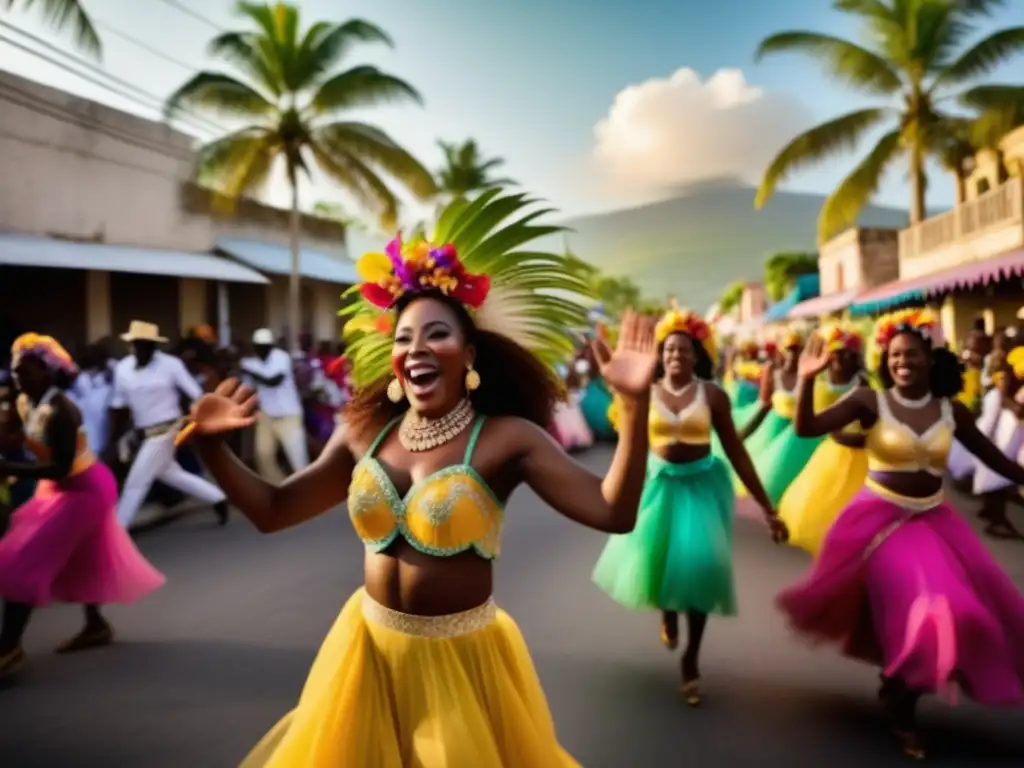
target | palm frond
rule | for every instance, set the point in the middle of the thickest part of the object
(844, 60)
(535, 298)
(246, 51)
(363, 86)
(845, 204)
(362, 182)
(237, 164)
(838, 135)
(217, 92)
(64, 14)
(325, 45)
(374, 147)
(983, 57)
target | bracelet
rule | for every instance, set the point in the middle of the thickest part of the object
(184, 434)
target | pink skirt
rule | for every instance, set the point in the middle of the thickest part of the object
(917, 594)
(65, 545)
(571, 428)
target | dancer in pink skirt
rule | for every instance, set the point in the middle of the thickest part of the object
(65, 543)
(902, 581)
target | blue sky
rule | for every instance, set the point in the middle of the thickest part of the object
(531, 79)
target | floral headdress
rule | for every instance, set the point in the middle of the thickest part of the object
(47, 349)
(838, 337)
(687, 322)
(790, 338)
(748, 347)
(1015, 361)
(923, 322)
(476, 258)
(769, 348)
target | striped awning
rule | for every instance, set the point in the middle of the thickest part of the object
(964, 276)
(822, 305)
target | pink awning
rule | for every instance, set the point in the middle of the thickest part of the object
(971, 275)
(822, 305)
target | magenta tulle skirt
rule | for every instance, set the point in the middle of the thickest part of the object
(918, 594)
(65, 545)
(571, 428)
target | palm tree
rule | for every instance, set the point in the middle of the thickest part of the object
(915, 56)
(290, 100)
(466, 171)
(62, 14)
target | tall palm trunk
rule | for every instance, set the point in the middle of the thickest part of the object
(295, 278)
(918, 185)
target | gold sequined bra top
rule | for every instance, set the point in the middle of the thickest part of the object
(448, 512)
(691, 426)
(893, 446)
(783, 400)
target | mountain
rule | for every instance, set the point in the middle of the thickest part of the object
(704, 237)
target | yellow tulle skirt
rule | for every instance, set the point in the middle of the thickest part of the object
(391, 690)
(833, 476)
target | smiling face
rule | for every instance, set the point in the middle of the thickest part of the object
(31, 376)
(843, 365)
(909, 362)
(677, 356)
(430, 356)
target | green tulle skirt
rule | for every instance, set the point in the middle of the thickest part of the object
(742, 393)
(597, 399)
(782, 460)
(679, 555)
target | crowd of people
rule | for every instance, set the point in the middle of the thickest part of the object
(842, 439)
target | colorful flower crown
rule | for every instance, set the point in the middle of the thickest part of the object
(837, 337)
(923, 322)
(791, 338)
(1015, 361)
(688, 323)
(749, 371)
(47, 349)
(415, 267)
(769, 348)
(748, 348)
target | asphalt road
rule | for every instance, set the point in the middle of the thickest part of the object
(205, 666)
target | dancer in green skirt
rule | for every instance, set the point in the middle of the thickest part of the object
(678, 558)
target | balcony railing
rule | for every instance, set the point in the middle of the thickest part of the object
(1002, 207)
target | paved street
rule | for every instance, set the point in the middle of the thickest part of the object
(207, 664)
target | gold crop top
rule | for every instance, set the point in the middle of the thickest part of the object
(691, 426)
(893, 446)
(33, 422)
(444, 514)
(783, 400)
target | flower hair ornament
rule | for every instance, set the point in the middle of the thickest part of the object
(47, 349)
(791, 338)
(922, 322)
(838, 337)
(1015, 362)
(490, 265)
(688, 323)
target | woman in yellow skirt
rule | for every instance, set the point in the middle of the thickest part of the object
(422, 669)
(837, 470)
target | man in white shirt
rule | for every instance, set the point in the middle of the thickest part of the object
(279, 422)
(149, 385)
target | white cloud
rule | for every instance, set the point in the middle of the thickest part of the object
(679, 129)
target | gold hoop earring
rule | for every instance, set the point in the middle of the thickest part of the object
(395, 391)
(472, 380)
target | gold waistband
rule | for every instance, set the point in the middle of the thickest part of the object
(910, 503)
(161, 429)
(438, 627)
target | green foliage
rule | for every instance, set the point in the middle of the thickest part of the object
(730, 298)
(466, 172)
(782, 269)
(62, 14)
(289, 100)
(541, 295)
(915, 54)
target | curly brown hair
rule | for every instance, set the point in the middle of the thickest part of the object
(514, 382)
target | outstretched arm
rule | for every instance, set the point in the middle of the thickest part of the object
(605, 504)
(732, 444)
(976, 442)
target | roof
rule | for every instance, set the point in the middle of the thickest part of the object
(920, 288)
(804, 287)
(277, 260)
(30, 251)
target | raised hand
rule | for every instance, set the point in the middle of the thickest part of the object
(814, 359)
(228, 408)
(780, 533)
(629, 370)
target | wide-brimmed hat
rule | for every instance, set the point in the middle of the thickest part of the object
(142, 331)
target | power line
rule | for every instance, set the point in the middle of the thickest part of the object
(124, 89)
(194, 14)
(141, 45)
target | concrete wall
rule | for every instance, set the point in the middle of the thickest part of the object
(859, 259)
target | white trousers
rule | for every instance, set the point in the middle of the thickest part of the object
(155, 461)
(287, 431)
